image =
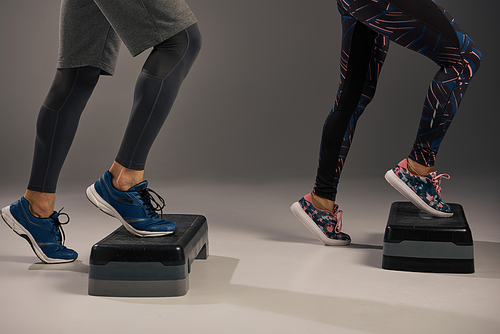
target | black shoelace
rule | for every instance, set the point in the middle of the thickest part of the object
(152, 204)
(58, 225)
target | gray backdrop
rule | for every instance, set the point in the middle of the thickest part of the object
(255, 102)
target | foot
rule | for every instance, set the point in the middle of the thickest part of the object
(135, 208)
(423, 191)
(325, 225)
(45, 236)
(41, 204)
(124, 178)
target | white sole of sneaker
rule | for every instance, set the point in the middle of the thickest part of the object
(25, 234)
(404, 190)
(311, 226)
(105, 207)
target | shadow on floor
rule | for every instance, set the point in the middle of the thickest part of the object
(211, 284)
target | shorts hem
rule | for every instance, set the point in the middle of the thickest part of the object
(138, 49)
(106, 69)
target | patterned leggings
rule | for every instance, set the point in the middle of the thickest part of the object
(421, 26)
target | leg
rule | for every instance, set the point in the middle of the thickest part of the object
(156, 89)
(170, 27)
(88, 48)
(363, 55)
(428, 29)
(155, 93)
(56, 127)
(33, 216)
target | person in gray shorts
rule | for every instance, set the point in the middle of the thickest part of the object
(91, 32)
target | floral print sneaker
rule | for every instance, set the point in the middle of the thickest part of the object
(423, 191)
(325, 225)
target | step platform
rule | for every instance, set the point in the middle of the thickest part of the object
(415, 241)
(124, 265)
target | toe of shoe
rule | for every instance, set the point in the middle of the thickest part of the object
(343, 236)
(164, 226)
(442, 207)
(157, 225)
(447, 208)
(67, 254)
(58, 252)
(338, 239)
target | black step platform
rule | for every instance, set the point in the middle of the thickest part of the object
(124, 265)
(415, 241)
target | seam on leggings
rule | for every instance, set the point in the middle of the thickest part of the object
(158, 94)
(55, 128)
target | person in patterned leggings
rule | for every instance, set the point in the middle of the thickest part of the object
(368, 26)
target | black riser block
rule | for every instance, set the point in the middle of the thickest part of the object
(124, 265)
(414, 241)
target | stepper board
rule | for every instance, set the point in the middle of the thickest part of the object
(124, 265)
(415, 241)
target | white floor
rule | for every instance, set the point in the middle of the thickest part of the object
(266, 273)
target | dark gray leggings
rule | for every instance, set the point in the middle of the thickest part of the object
(155, 92)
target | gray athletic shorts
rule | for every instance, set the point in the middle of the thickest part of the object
(91, 31)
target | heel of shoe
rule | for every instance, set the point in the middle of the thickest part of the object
(100, 203)
(9, 219)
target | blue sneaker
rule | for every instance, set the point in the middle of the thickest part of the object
(135, 208)
(423, 191)
(45, 236)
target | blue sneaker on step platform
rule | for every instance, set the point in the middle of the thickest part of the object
(135, 208)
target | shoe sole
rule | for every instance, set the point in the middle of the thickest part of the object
(19, 229)
(311, 226)
(404, 190)
(96, 199)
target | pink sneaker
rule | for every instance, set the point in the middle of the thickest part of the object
(423, 191)
(323, 224)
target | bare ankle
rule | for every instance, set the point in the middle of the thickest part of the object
(41, 205)
(419, 169)
(323, 203)
(124, 178)
(123, 184)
